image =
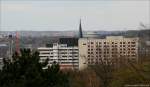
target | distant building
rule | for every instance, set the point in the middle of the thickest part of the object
(91, 34)
(27, 46)
(66, 56)
(70, 41)
(144, 49)
(93, 51)
(4, 50)
(1, 63)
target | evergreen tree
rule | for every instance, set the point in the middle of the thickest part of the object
(25, 70)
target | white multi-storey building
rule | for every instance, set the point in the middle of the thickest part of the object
(1, 63)
(66, 56)
(93, 51)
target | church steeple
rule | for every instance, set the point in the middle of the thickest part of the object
(80, 30)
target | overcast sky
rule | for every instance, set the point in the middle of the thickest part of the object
(65, 15)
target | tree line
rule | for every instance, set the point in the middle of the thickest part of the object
(25, 70)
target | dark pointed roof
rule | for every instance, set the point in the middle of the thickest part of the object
(80, 30)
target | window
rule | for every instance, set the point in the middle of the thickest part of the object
(84, 43)
(96, 62)
(132, 45)
(64, 56)
(133, 42)
(133, 52)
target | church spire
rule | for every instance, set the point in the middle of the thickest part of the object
(80, 30)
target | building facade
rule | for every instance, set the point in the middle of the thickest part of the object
(93, 51)
(66, 56)
(1, 63)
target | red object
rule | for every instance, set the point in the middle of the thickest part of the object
(66, 66)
